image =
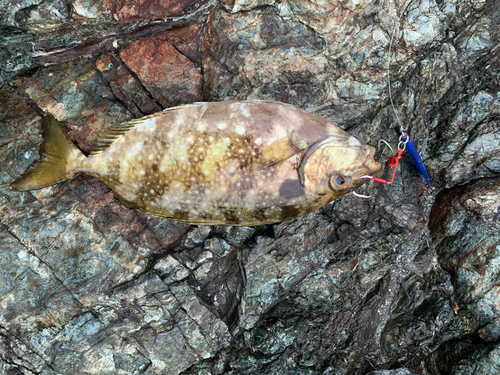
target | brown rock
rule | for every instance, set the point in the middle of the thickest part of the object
(186, 40)
(125, 87)
(169, 76)
(90, 286)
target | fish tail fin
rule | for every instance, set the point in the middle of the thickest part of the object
(58, 158)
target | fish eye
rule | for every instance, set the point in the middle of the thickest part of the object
(338, 182)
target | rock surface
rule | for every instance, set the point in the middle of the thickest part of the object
(403, 283)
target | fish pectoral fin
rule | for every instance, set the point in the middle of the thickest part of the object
(277, 152)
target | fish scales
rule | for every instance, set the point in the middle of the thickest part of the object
(237, 163)
(193, 163)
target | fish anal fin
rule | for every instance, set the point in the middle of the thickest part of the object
(112, 133)
(277, 152)
(135, 206)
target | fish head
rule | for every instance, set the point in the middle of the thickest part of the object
(333, 166)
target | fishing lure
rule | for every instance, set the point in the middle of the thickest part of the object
(405, 143)
(416, 159)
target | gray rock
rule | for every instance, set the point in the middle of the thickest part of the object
(401, 371)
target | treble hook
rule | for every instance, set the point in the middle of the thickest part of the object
(372, 177)
(403, 140)
(361, 195)
(387, 144)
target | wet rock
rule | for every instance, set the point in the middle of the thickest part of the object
(235, 6)
(44, 16)
(134, 92)
(476, 154)
(41, 33)
(241, 51)
(187, 41)
(469, 354)
(481, 362)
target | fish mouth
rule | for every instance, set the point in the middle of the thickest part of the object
(370, 166)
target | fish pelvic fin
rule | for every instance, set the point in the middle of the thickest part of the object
(58, 158)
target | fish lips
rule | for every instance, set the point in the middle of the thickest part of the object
(370, 167)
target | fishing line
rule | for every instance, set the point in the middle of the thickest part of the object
(404, 140)
(401, 128)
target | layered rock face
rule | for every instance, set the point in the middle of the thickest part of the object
(403, 283)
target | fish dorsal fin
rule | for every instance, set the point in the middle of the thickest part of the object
(277, 152)
(115, 131)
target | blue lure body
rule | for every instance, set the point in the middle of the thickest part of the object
(417, 160)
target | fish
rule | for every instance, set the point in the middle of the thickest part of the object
(242, 163)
